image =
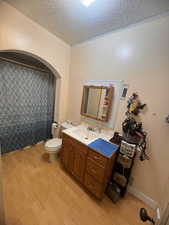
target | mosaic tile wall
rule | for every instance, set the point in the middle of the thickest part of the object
(26, 106)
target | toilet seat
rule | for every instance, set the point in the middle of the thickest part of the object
(53, 145)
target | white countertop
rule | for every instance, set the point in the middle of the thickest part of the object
(82, 134)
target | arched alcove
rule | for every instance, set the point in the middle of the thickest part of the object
(26, 59)
(50, 67)
(38, 58)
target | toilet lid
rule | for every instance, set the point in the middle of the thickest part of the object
(55, 142)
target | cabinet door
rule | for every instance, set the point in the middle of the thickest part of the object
(93, 186)
(79, 164)
(71, 159)
(68, 155)
(64, 155)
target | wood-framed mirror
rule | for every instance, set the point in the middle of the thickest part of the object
(96, 102)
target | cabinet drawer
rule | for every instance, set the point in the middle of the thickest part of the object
(93, 186)
(98, 158)
(95, 170)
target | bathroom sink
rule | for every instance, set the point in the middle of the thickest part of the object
(86, 134)
(82, 134)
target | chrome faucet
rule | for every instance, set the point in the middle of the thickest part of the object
(90, 128)
(98, 129)
(94, 129)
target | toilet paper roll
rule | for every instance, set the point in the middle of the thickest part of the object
(54, 127)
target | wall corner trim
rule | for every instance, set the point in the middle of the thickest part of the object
(150, 202)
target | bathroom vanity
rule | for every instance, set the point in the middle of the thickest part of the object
(90, 167)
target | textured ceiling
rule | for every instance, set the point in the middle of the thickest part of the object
(74, 23)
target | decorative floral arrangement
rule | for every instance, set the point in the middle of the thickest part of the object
(134, 105)
(133, 130)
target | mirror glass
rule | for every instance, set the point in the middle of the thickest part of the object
(96, 102)
(93, 101)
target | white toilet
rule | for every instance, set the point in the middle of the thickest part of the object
(53, 145)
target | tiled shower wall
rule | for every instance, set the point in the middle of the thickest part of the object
(26, 106)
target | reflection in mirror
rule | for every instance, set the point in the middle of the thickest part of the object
(96, 102)
(93, 101)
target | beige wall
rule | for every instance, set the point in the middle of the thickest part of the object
(20, 33)
(138, 55)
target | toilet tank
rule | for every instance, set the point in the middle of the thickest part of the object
(58, 128)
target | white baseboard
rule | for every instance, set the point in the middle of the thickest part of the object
(150, 202)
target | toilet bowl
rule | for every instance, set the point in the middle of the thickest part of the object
(54, 145)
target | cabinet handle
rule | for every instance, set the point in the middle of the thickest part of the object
(96, 157)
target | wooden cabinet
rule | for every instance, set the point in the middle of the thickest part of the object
(93, 186)
(79, 164)
(98, 158)
(90, 168)
(66, 148)
(95, 170)
(71, 159)
(74, 157)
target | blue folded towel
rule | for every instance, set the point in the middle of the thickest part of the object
(104, 147)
